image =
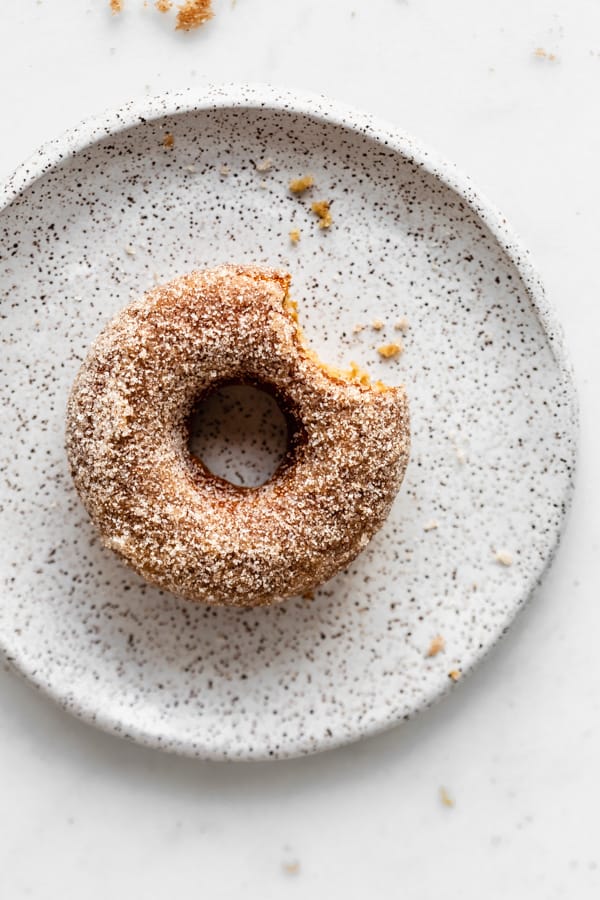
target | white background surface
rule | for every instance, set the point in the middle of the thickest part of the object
(83, 814)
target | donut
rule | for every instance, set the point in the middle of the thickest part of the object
(162, 511)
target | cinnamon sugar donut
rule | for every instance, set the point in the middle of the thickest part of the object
(178, 525)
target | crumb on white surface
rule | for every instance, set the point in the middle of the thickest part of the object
(445, 798)
(454, 674)
(401, 325)
(291, 868)
(540, 53)
(431, 525)
(129, 250)
(192, 14)
(295, 235)
(191, 168)
(224, 170)
(358, 328)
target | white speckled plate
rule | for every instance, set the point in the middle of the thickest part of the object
(100, 213)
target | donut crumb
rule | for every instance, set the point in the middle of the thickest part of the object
(193, 14)
(291, 868)
(540, 53)
(264, 165)
(321, 209)
(389, 351)
(454, 674)
(445, 798)
(377, 324)
(436, 646)
(116, 7)
(299, 185)
(401, 325)
(431, 525)
(163, 6)
(168, 140)
(295, 235)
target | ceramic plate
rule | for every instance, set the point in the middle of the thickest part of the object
(104, 212)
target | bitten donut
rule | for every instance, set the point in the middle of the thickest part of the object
(166, 515)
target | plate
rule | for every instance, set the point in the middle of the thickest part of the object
(116, 205)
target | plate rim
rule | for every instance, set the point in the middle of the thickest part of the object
(270, 98)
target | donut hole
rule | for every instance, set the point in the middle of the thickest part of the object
(240, 434)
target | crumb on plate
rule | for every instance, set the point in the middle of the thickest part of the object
(168, 140)
(264, 165)
(299, 185)
(436, 646)
(116, 6)
(503, 557)
(431, 525)
(389, 351)
(454, 674)
(224, 170)
(295, 235)
(163, 6)
(401, 325)
(193, 14)
(129, 250)
(377, 324)
(358, 328)
(321, 209)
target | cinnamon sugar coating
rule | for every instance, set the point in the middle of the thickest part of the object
(186, 530)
